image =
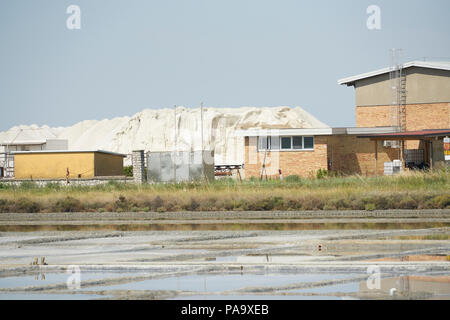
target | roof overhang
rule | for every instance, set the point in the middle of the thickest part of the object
(313, 131)
(350, 81)
(23, 143)
(284, 132)
(409, 135)
(69, 151)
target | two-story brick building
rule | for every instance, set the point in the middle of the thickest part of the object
(421, 101)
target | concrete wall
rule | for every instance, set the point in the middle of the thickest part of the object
(422, 86)
(108, 164)
(72, 182)
(56, 144)
(301, 163)
(352, 155)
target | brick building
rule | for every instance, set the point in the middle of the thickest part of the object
(413, 98)
(419, 101)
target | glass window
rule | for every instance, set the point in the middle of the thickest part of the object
(263, 143)
(308, 142)
(274, 143)
(297, 142)
(286, 143)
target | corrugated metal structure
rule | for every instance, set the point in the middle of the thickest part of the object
(180, 166)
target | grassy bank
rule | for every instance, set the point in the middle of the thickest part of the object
(405, 191)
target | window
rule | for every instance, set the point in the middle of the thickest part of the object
(285, 143)
(297, 143)
(308, 142)
(263, 143)
(274, 143)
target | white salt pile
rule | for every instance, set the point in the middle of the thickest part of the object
(154, 130)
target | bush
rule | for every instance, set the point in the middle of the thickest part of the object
(193, 205)
(24, 205)
(442, 201)
(122, 204)
(370, 207)
(312, 204)
(161, 209)
(28, 185)
(321, 173)
(293, 178)
(52, 186)
(128, 171)
(4, 206)
(68, 204)
(408, 203)
(156, 203)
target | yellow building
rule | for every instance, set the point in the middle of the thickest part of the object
(67, 164)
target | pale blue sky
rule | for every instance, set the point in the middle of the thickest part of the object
(131, 55)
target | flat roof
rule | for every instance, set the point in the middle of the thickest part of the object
(410, 134)
(349, 81)
(314, 131)
(23, 142)
(70, 151)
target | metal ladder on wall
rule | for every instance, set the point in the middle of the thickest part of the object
(402, 99)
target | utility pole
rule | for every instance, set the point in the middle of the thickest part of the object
(175, 145)
(203, 151)
(201, 120)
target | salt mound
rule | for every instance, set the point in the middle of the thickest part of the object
(154, 130)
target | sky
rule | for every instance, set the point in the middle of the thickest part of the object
(137, 54)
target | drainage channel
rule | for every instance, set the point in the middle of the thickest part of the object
(221, 226)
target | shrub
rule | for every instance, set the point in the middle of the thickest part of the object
(329, 207)
(68, 204)
(161, 209)
(28, 185)
(293, 178)
(312, 204)
(121, 204)
(24, 205)
(408, 203)
(128, 171)
(4, 206)
(442, 201)
(321, 173)
(52, 186)
(156, 203)
(370, 207)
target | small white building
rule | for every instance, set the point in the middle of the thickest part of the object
(7, 147)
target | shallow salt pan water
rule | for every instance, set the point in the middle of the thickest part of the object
(218, 283)
(44, 279)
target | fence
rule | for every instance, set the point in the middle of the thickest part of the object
(180, 166)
